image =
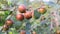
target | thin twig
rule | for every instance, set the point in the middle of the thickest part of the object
(2, 10)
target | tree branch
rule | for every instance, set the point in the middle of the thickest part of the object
(3, 10)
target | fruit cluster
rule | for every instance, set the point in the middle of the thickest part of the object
(24, 14)
(7, 24)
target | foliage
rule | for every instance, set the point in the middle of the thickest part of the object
(33, 24)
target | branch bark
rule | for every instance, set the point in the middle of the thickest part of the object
(3, 10)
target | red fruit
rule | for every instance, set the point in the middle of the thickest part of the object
(22, 32)
(5, 27)
(28, 15)
(22, 9)
(58, 32)
(42, 10)
(9, 22)
(19, 17)
(33, 32)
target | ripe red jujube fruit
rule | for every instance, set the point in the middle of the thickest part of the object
(28, 15)
(33, 32)
(23, 32)
(5, 28)
(9, 22)
(58, 32)
(22, 9)
(42, 10)
(20, 17)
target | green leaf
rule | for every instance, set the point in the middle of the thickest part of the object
(13, 31)
(6, 12)
(36, 14)
(10, 33)
(9, 3)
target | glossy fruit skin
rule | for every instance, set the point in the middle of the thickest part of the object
(5, 27)
(42, 10)
(28, 15)
(33, 32)
(22, 9)
(23, 32)
(58, 32)
(9, 22)
(19, 17)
